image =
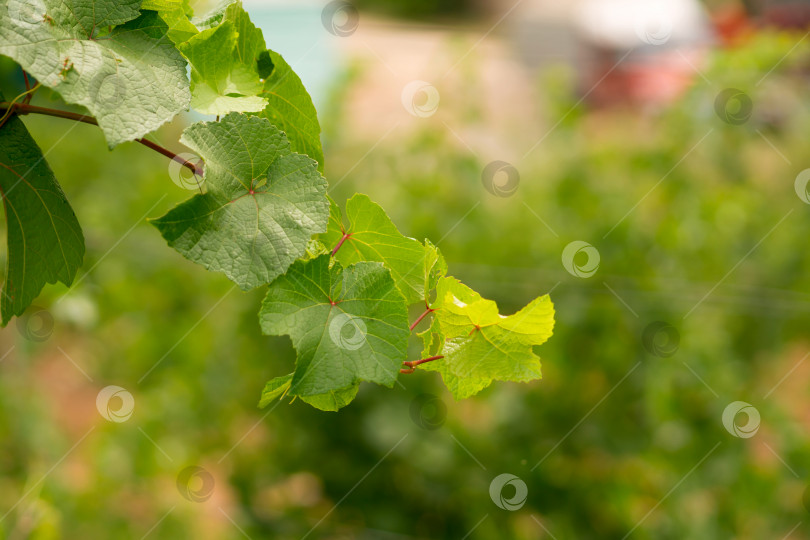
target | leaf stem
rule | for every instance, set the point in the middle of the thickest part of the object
(422, 316)
(413, 363)
(24, 108)
(343, 239)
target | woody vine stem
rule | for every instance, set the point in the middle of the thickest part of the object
(11, 108)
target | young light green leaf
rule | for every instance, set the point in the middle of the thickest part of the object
(176, 14)
(435, 268)
(45, 242)
(133, 80)
(167, 5)
(224, 65)
(347, 325)
(372, 236)
(315, 249)
(249, 45)
(335, 228)
(279, 388)
(290, 107)
(213, 16)
(256, 80)
(275, 389)
(332, 400)
(478, 344)
(461, 387)
(262, 204)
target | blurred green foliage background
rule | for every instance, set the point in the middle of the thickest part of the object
(614, 440)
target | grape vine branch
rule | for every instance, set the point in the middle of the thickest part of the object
(339, 280)
(24, 108)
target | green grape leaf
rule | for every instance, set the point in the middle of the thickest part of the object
(315, 249)
(45, 242)
(184, 6)
(262, 202)
(459, 387)
(132, 79)
(177, 16)
(224, 65)
(374, 237)
(347, 325)
(254, 80)
(435, 268)
(213, 16)
(479, 344)
(290, 107)
(335, 227)
(334, 399)
(277, 388)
